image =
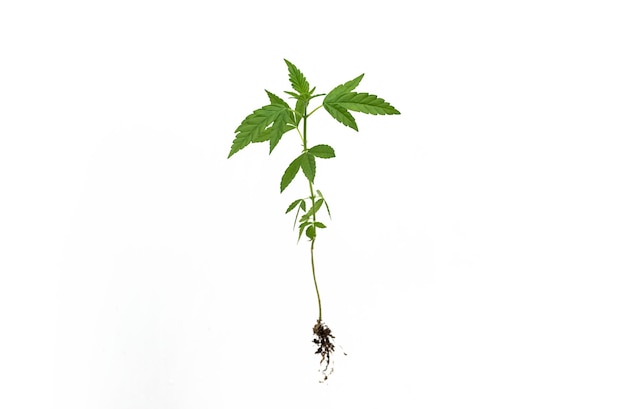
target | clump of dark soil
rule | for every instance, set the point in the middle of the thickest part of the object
(325, 347)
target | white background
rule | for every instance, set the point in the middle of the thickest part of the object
(476, 255)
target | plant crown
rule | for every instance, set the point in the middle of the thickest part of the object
(270, 122)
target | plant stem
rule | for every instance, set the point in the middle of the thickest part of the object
(311, 113)
(317, 291)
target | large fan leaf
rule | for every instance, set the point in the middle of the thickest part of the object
(256, 126)
(341, 100)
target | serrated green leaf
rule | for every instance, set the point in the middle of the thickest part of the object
(279, 128)
(322, 151)
(341, 114)
(238, 144)
(313, 210)
(320, 225)
(275, 132)
(281, 124)
(253, 127)
(325, 203)
(293, 205)
(301, 229)
(276, 100)
(260, 119)
(290, 173)
(310, 232)
(308, 165)
(317, 205)
(264, 136)
(364, 102)
(338, 101)
(302, 206)
(301, 105)
(346, 87)
(297, 79)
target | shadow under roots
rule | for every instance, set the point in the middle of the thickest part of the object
(325, 347)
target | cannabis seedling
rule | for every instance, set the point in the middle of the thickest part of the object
(270, 122)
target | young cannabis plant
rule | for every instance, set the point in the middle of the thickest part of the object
(270, 122)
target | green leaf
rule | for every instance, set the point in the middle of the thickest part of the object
(310, 232)
(308, 165)
(281, 124)
(238, 144)
(340, 100)
(279, 128)
(298, 82)
(300, 108)
(320, 225)
(290, 173)
(325, 203)
(317, 205)
(276, 100)
(255, 123)
(295, 219)
(253, 127)
(274, 133)
(364, 102)
(301, 229)
(341, 114)
(293, 205)
(343, 88)
(322, 151)
(313, 210)
(264, 136)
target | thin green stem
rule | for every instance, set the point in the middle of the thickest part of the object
(301, 137)
(315, 110)
(317, 291)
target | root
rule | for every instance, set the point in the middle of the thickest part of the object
(325, 347)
